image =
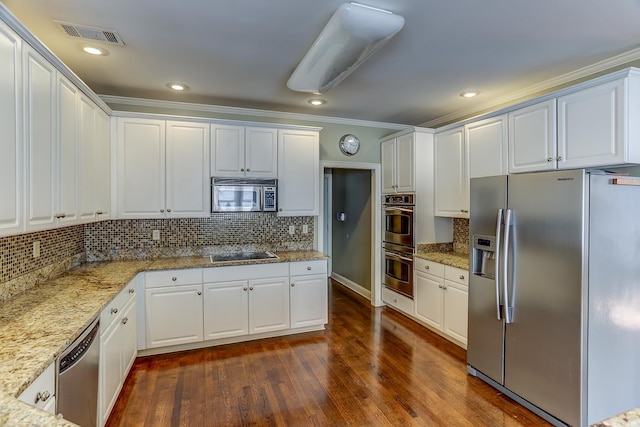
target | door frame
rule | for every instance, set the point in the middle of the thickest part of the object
(376, 224)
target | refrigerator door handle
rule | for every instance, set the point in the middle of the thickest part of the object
(497, 258)
(508, 222)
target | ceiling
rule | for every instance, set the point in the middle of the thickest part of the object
(241, 52)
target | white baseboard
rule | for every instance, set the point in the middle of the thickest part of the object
(352, 285)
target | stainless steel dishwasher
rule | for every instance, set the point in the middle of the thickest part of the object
(77, 378)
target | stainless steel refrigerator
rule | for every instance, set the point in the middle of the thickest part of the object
(554, 294)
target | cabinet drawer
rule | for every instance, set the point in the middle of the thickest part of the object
(397, 301)
(456, 275)
(159, 279)
(429, 267)
(41, 391)
(110, 312)
(308, 267)
(245, 272)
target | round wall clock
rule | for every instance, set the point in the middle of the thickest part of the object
(349, 144)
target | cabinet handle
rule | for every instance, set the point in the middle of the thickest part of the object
(131, 290)
(168, 210)
(559, 158)
(251, 288)
(125, 320)
(244, 289)
(42, 396)
(462, 276)
(174, 278)
(161, 210)
(114, 310)
(99, 213)
(293, 284)
(549, 159)
(199, 293)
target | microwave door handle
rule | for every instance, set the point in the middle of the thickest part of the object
(497, 256)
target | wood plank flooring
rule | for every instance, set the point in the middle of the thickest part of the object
(371, 367)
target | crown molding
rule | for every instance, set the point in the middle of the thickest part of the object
(598, 67)
(221, 109)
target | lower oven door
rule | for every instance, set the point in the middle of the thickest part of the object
(398, 272)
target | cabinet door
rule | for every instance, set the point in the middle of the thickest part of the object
(455, 310)
(404, 164)
(174, 315)
(129, 327)
(67, 204)
(532, 138)
(591, 128)
(45, 383)
(298, 173)
(40, 141)
(268, 305)
(309, 298)
(429, 305)
(111, 368)
(88, 157)
(261, 152)
(226, 309)
(227, 151)
(141, 157)
(451, 182)
(388, 157)
(486, 141)
(187, 169)
(11, 125)
(103, 196)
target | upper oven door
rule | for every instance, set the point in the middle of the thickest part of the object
(236, 198)
(398, 225)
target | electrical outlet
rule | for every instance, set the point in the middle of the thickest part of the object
(305, 229)
(36, 249)
(155, 235)
(292, 229)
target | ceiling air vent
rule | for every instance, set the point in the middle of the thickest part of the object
(91, 33)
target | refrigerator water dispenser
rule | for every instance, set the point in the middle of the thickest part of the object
(484, 256)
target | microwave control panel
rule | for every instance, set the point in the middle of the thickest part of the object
(269, 202)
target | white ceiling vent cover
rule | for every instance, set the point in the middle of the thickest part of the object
(91, 33)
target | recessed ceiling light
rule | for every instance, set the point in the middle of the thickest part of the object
(317, 102)
(179, 87)
(92, 50)
(469, 94)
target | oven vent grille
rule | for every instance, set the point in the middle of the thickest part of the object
(91, 33)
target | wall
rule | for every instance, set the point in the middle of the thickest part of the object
(127, 239)
(60, 250)
(351, 239)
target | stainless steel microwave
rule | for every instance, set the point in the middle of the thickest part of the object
(243, 195)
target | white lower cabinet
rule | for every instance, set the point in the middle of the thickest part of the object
(41, 392)
(118, 348)
(441, 298)
(268, 305)
(309, 293)
(226, 309)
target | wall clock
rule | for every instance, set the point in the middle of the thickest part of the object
(349, 144)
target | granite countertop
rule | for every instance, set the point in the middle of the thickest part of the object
(36, 326)
(453, 259)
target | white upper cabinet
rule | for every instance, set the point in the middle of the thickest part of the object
(11, 124)
(532, 138)
(88, 156)
(67, 203)
(486, 143)
(103, 195)
(163, 168)
(398, 174)
(238, 151)
(298, 173)
(451, 174)
(591, 126)
(40, 141)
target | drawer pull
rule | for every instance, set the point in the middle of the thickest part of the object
(174, 278)
(114, 310)
(462, 276)
(309, 268)
(426, 267)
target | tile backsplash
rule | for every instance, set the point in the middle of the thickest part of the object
(461, 235)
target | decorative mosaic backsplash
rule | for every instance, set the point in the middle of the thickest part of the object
(461, 235)
(60, 249)
(126, 239)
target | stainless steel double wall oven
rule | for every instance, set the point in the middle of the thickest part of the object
(398, 244)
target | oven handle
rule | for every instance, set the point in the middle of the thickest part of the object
(397, 257)
(409, 210)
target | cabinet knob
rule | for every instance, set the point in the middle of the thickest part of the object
(444, 287)
(168, 210)
(242, 170)
(293, 284)
(125, 320)
(114, 310)
(244, 289)
(248, 170)
(251, 288)
(426, 267)
(549, 159)
(309, 268)
(42, 396)
(174, 278)
(280, 209)
(131, 290)
(440, 286)
(462, 276)
(199, 292)
(395, 300)
(161, 210)
(559, 158)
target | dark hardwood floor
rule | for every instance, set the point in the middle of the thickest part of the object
(371, 367)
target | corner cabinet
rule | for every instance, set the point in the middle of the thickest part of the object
(244, 152)
(397, 156)
(163, 168)
(298, 172)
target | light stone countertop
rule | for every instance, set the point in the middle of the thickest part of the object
(36, 326)
(453, 259)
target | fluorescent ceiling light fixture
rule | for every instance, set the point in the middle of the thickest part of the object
(353, 33)
(317, 102)
(179, 87)
(469, 94)
(92, 50)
